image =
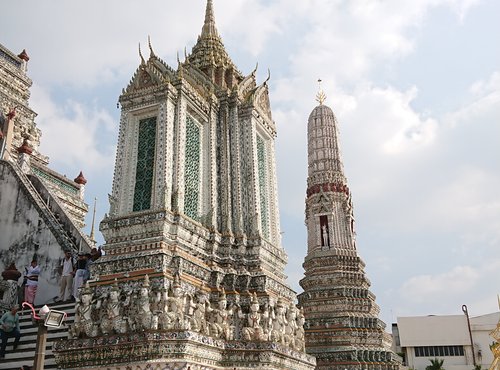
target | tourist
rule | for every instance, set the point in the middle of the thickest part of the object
(80, 274)
(67, 269)
(9, 327)
(32, 274)
(93, 256)
(90, 261)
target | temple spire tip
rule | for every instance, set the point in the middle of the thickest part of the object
(320, 96)
(209, 28)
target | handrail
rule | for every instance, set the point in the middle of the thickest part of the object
(54, 200)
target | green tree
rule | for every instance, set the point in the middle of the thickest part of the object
(435, 364)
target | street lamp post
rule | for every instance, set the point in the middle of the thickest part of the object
(41, 341)
(46, 318)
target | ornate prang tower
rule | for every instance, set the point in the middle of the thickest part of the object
(193, 276)
(342, 326)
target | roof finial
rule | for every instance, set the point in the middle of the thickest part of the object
(320, 96)
(140, 54)
(24, 56)
(151, 52)
(255, 70)
(80, 179)
(209, 29)
(268, 76)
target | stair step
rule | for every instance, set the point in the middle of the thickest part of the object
(25, 352)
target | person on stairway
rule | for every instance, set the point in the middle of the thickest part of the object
(9, 327)
(32, 274)
(81, 274)
(67, 269)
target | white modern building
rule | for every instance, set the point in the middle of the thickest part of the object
(422, 338)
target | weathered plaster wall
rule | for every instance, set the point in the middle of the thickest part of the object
(24, 234)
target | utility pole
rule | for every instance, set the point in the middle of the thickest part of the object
(466, 312)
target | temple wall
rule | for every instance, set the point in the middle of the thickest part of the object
(24, 234)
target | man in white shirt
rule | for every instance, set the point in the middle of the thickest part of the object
(67, 273)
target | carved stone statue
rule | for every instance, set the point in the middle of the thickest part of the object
(174, 309)
(143, 317)
(198, 321)
(290, 326)
(113, 320)
(84, 324)
(324, 235)
(300, 341)
(253, 330)
(176, 306)
(112, 205)
(164, 319)
(236, 317)
(266, 321)
(220, 327)
(279, 323)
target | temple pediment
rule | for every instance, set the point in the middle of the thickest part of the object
(153, 73)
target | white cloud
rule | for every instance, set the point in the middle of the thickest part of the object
(70, 132)
(347, 39)
(394, 127)
(263, 20)
(428, 288)
(461, 7)
(445, 291)
(491, 85)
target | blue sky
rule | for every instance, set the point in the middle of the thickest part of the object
(414, 85)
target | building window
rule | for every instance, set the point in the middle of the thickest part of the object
(264, 202)
(145, 164)
(439, 351)
(192, 169)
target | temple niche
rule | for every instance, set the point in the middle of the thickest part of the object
(193, 275)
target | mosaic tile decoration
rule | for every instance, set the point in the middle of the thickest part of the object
(264, 203)
(192, 169)
(145, 164)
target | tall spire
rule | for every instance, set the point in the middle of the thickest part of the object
(210, 56)
(351, 335)
(209, 29)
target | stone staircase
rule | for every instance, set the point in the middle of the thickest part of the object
(64, 230)
(25, 352)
